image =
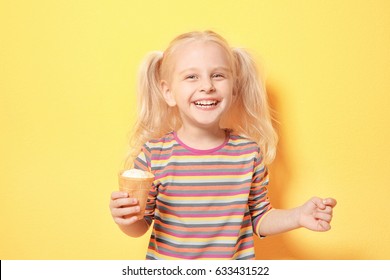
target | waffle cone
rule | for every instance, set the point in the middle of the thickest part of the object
(138, 188)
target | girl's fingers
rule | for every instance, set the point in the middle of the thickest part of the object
(330, 202)
(123, 208)
(327, 210)
(323, 216)
(116, 195)
(125, 221)
(323, 226)
(120, 199)
(324, 204)
(318, 202)
(121, 202)
(120, 212)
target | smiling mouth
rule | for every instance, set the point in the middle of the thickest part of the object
(206, 103)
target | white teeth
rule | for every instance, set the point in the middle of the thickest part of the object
(206, 103)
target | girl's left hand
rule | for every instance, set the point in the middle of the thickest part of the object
(316, 214)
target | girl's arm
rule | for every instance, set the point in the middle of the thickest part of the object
(123, 208)
(315, 214)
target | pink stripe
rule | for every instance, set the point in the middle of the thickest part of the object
(224, 214)
(197, 194)
(186, 154)
(166, 253)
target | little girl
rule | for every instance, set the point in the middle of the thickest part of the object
(204, 130)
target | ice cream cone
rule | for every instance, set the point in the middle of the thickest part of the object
(138, 188)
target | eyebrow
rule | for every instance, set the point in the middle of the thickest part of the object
(219, 68)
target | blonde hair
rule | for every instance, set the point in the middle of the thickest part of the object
(249, 115)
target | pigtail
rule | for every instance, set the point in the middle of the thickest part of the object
(154, 114)
(255, 121)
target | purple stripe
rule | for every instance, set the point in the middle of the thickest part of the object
(203, 173)
(200, 235)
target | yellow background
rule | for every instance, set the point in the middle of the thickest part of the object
(67, 79)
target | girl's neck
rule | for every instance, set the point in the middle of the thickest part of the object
(202, 139)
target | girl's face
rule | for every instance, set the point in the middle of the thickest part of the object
(201, 84)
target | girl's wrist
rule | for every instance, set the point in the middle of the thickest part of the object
(297, 213)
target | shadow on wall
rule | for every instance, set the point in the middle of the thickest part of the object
(276, 247)
(282, 247)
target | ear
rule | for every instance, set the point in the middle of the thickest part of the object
(167, 94)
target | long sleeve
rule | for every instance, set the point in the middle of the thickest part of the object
(259, 204)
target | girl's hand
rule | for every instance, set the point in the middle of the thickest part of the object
(316, 214)
(123, 208)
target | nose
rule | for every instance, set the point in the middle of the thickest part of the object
(207, 86)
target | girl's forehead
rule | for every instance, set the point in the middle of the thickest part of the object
(199, 52)
(198, 46)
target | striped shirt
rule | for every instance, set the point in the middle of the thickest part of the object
(205, 204)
